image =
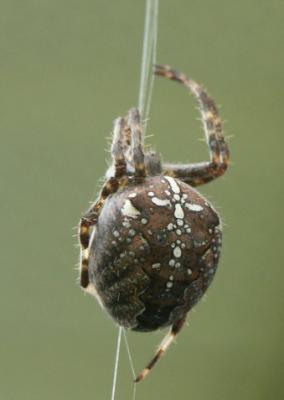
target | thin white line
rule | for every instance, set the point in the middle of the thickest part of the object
(116, 363)
(144, 61)
(130, 362)
(148, 59)
(154, 61)
(129, 354)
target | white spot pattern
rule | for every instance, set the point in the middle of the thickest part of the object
(194, 207)
(128, 210)
(173, 184)
(179, 211)
(161, 202)
(177, 252)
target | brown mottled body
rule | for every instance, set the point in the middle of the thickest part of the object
(148, 266)
(150, 244)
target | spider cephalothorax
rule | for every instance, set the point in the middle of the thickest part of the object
(156, 241)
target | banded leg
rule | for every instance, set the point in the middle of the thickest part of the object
(84, 238)
(197, 174)
(118, 147)
(168, 339)
(152, 163)
(89, 219)
(133, 121)
(126, 143)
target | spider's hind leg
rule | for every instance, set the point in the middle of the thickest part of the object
(197, 174)
(90, 218)
(165, 344)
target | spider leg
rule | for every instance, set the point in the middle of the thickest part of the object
(90, 218)
(84, 238)
(197, 174)
(152, 164)
(118, 147)
(139, 163)
(165, 344)
(133, 121)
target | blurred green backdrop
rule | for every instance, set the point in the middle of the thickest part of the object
(68, 68)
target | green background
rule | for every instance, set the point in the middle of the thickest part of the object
(67, 69)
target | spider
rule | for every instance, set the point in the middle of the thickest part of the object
(150, 243)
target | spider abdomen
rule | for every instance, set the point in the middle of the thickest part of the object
(155, 252)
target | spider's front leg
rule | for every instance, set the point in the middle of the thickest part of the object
(137, 151)
(200, 173)
(90, 218)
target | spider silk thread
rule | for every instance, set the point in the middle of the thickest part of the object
(116, 363)
(149, 54)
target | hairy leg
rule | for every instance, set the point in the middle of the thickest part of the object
(197, 174)
(168, 339)
(152, 164)
(89, 219)
(133, 121)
